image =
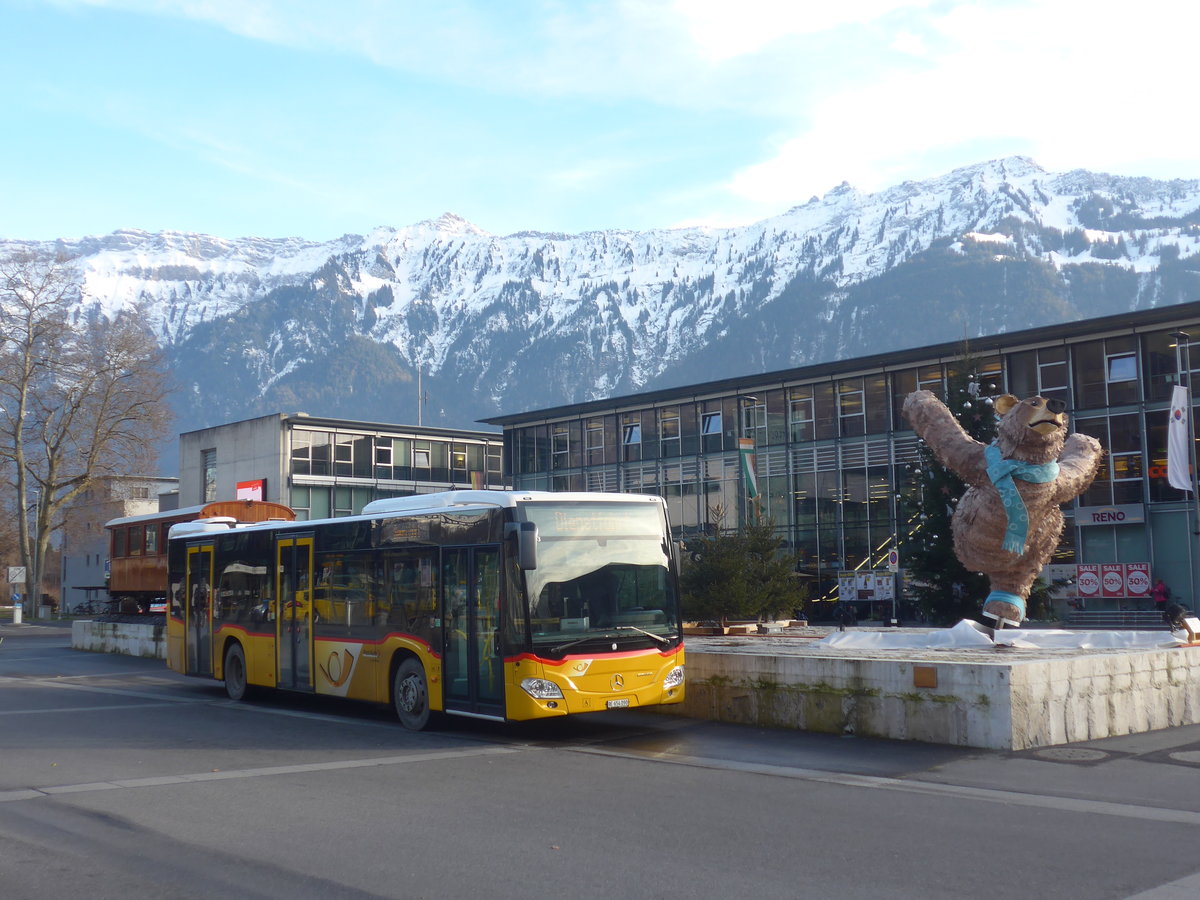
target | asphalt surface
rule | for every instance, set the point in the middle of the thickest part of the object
(121, 779)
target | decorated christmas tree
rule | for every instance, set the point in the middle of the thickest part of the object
(945, 591)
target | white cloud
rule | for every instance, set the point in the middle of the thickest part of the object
(1073, 85)
(872, 91)
(723, 30)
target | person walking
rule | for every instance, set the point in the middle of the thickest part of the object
(1161, 594)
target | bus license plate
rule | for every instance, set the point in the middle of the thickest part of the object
(618, 704)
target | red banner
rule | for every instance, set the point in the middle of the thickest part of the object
(1112, 579)
(1137, 579)
(1087, 579)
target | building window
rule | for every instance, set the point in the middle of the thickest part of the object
(493, 464)
(343, 455)
(710, 423)
(208, 475)
(631, 437)
(754, 420)
(458, 464)
(560, 446)
(1052, 373)
(383, 458)
(800, 414)
(594, 441)
(931, 378)
(1122, 368)
(310, 453)
(1106, 372)
(668, 431)
(1119, 480)
(850, 406)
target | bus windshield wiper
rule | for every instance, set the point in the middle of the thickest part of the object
(657, 637)
(589, 637)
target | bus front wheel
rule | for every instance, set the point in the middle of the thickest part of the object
(235, 672)
(410, 695)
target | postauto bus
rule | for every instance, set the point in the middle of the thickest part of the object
(494, 604)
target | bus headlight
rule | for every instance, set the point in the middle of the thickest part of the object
(674, 678)
(541, 689)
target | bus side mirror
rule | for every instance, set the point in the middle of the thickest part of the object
(527, 538)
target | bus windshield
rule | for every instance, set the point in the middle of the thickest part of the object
(603, 573)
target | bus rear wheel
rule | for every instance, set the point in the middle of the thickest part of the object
(235, 672)
(410, 695)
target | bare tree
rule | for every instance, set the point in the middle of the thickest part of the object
(82, 396)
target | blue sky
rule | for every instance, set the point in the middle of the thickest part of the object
(323, 117)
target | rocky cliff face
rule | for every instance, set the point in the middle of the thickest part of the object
(505, 324)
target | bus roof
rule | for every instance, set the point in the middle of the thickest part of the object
(452, 499)
(419, 503)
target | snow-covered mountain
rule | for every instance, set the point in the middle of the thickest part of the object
(529, 320)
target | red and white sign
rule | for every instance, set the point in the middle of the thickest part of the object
(1088, 581)
(1137, 579)
(1112, 579)
(252, 490)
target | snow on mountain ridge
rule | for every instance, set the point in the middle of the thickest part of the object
(449, 295)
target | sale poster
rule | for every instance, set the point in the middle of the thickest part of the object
(1137, 579)
(1112, 579)
(1088, 581)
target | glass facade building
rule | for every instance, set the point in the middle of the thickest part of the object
(323, 467)
(832, 452)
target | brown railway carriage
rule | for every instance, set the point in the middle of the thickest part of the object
(137, 547)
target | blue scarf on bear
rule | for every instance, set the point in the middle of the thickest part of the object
(1002, 472)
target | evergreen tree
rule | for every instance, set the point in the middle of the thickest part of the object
(945, 590)
(740, 575)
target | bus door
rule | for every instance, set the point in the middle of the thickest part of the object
(473, 667)
(293, 636)
(197, 597)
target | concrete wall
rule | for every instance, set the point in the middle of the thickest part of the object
(246, 451)
(110, 637)
(1005, 705)
(1002, 706)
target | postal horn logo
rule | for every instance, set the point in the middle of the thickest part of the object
(337, 669)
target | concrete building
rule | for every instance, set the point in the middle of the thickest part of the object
(85, 549)
(832, 452)
(331, 467)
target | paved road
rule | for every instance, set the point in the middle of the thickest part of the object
(120, 779)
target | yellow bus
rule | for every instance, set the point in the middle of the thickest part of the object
(502, 605)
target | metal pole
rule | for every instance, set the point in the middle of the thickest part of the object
(1183, 376)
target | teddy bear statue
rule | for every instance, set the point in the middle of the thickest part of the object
(1009, 521)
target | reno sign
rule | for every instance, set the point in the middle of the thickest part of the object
(1125, 514)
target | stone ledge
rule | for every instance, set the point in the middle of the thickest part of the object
(118, 637)
(1015, 701)
(997, 704)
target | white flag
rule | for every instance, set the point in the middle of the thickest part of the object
(1179, 436)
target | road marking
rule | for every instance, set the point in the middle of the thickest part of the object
(93, 689)
(158, 780)
(1184, 889)
(992, 795)
(81, 709)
